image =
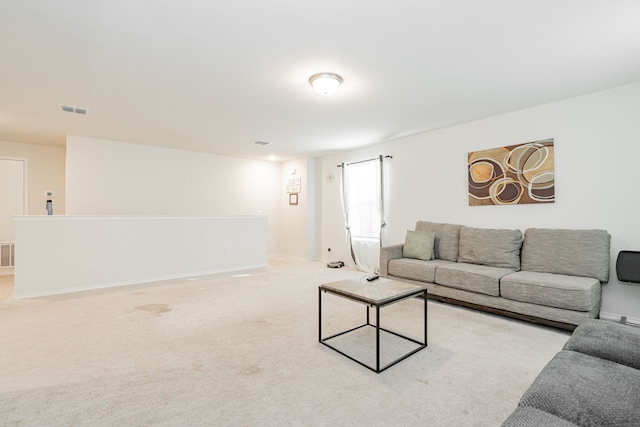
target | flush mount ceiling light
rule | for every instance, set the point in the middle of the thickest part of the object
(325, 83)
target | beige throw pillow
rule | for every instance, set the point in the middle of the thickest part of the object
(418, 245)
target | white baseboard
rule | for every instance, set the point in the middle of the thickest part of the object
(5, 271)
(618, 317)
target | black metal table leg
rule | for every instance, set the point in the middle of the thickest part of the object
(425, 317)
(319, 315)
(377, 339)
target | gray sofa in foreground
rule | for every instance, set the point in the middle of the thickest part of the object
(549, 276)
(593, 381)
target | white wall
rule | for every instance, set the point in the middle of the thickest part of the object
(300, 233)
(45, 173)
(13, 172)
(294, 217)
(59, 254)
(597, 147)
(117, 178)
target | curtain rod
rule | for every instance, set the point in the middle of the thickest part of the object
(367, 160)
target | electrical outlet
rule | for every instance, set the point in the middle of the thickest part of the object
(94, 263)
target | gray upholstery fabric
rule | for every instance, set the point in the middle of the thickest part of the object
(418, 245)
(471, 277)
(387, 253)
(538, 293)
(587, 391)
(563, 315)
(607, 340)
(447, 239)
(554, 290)
(415, 269)
(495, 248)
(525, 416)
(572, 252)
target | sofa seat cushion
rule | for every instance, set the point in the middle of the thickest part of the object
(472, 277)
(492, 247)
(587, 391)
(526, 416)
(607, 340)
(415, 269)
(554, 290)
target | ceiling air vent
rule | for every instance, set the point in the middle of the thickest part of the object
(76, 110)
(263, 143)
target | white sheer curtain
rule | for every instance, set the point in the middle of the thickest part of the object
(363, 205)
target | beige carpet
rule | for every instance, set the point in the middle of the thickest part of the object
(243, 350)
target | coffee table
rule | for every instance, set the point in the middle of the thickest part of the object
(375, 294)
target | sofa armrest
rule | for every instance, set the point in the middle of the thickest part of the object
(387, 253)
(607, 340)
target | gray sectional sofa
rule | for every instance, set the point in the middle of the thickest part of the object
(549, 276)
(593, 381)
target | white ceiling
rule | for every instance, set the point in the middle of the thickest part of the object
(216, 75)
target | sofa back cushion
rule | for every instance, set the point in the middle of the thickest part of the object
(495, 248)
(447, 239)
(582, 253)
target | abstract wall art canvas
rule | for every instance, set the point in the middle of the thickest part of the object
(512, 175)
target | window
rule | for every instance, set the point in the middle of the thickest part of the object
(362, 201)
(363, 189)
